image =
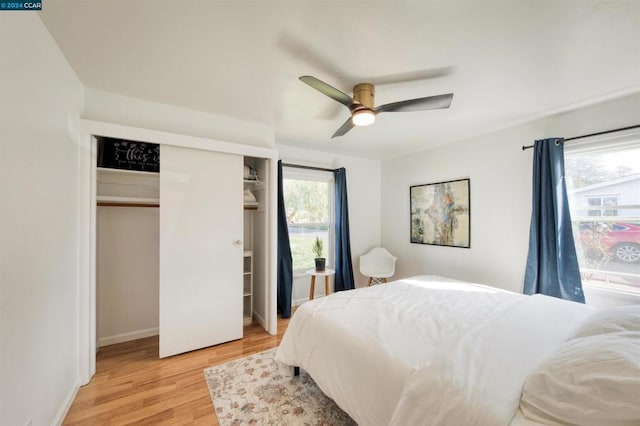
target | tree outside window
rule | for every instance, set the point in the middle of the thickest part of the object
(308, 200)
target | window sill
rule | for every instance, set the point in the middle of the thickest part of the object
(611, 289)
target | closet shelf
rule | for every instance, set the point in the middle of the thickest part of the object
(105, 170)
(106, 200)
(251, 205)
(257, 184)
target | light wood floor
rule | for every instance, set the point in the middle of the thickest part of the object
(133, 386)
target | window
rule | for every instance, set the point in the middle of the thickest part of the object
(601, 174)
(602, 201)
(308, 200)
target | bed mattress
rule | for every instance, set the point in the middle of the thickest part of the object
(427, 350)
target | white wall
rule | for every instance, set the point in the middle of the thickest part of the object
(128, 267)
(500, 174)
(363, 193)
(40, 103)
(118, 109)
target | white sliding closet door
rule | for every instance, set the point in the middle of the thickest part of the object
(200, 249)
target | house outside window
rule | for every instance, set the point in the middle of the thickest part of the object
(309, 201)
(601, 173)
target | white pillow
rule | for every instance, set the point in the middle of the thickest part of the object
(621, 318)
(592, 380)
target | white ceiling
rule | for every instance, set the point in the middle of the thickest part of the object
(506, 61)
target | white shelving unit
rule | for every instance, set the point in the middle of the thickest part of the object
(255, 248)
(247, 271)
(247, 288)
(250, 208)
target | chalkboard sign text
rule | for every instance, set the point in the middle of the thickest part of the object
(128, 155)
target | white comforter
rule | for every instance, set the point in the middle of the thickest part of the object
(427, 350)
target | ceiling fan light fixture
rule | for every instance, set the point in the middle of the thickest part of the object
(363, 117)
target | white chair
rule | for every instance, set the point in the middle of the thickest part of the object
(378, 265)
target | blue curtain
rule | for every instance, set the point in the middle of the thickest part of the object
(285, 263)
(344, 267)
(552, 264)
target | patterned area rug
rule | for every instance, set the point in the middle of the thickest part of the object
(258, 390)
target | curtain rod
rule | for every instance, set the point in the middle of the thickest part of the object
(591, 134)
(308, 167)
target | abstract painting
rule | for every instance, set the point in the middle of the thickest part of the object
(441, 213)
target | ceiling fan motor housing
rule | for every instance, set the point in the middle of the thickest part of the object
(364, 93)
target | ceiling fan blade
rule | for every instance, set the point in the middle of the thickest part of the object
(420, 104)
(346, 126)
(328, 90)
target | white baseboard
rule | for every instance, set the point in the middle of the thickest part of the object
(66, 405)
(260, 320)
(298, 302)
(125, 337)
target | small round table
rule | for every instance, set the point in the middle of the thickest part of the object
(326, 274)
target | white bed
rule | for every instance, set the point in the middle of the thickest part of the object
(428, 350)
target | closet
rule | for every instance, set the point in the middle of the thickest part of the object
(256, 240)
(180, 253)
(127, 267)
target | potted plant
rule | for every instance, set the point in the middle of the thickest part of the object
(317, 250)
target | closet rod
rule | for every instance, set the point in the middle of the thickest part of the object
(308, 167)
(115, 204)
(591, 134)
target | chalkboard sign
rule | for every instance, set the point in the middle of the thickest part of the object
(128, 155)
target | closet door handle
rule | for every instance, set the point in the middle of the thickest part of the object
(237, 242)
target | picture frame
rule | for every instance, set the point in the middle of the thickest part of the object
(441, 213)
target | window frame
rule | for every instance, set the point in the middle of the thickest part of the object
(619, 141)
(298, 173)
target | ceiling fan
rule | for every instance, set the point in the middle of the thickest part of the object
(362, 107)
